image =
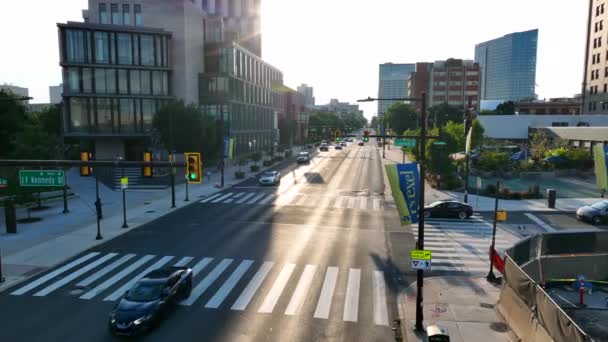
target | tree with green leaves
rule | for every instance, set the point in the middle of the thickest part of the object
(540, 144)
(487, 112)
(506, 108)
(441, 114)
(477, 134)
(185, 128)
(374, 122)
(13, 116)
(400, 117)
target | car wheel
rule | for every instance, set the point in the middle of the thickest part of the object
(596, 220)
(462, 215)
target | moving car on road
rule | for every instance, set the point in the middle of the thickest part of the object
(145, 304)
(303, 157)
(361, 143)
(444, 209)
(324, 147)
(595, 213)
(270, 178)
(338, 147)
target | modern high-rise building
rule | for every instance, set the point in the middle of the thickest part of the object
(595, 79)
(129, 57)
(308, 93)
(393, 83)
(508, 66)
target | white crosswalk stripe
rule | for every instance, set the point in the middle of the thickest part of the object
(219, 199)
(461, 246)
(298, 286)
(209, 198)
(255, 199)
(267, 199)
(237, 196)
(246, 197)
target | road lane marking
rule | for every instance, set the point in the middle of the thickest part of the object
(246, 197)
(209, 198)
(352, 203)
(351, 305)
(255, 199)
(459, 269)
(224, 291)
(238, 195)
(118, 276)
(217, 200)
(299, 295)
(277, 288)
(267, 199)
(380, 311)
(249, 291)
(128, 285)
(53, 274)
(74, 275)
(200, 266)
(206, 282)
(327, 293)
(540, 222)
(93, 277)
(183, 261)
(363, 203)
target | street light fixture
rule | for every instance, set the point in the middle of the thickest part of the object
(422, 162)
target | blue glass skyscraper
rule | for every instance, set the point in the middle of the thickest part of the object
(508, 66)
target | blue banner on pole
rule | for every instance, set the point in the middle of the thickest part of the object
(226, 147)
(409, 182)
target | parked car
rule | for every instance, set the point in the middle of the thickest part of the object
(270, 178)
(150, 298)
(445, 209)
(595, 213)
(303, 157)
(324, 147)
(338, 147)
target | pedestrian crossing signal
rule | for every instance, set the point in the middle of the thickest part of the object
(86, 170)
(193, 167)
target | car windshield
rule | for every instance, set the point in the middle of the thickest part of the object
(268, 174)
(434, 204)
(144, 292)
(600, 205)
(303, 154)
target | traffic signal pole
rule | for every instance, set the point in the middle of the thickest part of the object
(420, 243)
(467, 127)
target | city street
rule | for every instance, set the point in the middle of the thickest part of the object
(313, 258)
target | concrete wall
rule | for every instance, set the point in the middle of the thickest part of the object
(516, 126)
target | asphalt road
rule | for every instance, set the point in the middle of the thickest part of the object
(311, 259)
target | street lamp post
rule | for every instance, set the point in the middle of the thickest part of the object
(422, 163)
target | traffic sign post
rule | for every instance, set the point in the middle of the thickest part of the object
(124, 184)
(405, 142)
(421, 259)
(38, 178)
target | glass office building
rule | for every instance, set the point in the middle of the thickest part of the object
(115, 78)
(508, 66)
(393, 83)
(241, 88)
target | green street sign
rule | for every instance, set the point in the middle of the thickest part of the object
(34, 178)
(405, 142)
(440, 143)
(3, 183)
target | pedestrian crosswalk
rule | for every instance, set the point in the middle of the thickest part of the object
(262, 287)
(462, 246)
(339, 202)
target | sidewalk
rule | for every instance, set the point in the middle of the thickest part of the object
(465, 306)
(482, 203)
(44, 244)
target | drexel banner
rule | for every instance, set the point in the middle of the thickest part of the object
(405, 186)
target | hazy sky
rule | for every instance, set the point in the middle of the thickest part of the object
(336, 45)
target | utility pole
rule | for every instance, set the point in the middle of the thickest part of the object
(420, 243)
(467, 127)
(491, 277)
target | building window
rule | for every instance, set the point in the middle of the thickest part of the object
(137, 14)
(605, 88)
(596, 26)
(104, 115)
(594, 43)
(147, 50)
(73, 80)
(127, 116)
(599, 42)
(601, 25)
(115, 14)
(101, 47)
(145, 82)
(123, 83)
(125, 51)
(103, 14)
(156, 83)
(79, 115)
(74, 46)
(148, 109)
(134, 77)
(602, 9)
(87, 80)
(126, 14)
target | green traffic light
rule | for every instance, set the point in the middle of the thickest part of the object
(192, 176)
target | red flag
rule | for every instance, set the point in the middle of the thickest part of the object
(498, 262)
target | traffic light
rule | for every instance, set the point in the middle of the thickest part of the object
(193, 167)
(338, 135)
(147, 170)
(366, 136)
(85, 170)
(332, 134)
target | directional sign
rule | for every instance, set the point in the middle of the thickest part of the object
(440, 143)
(3, 183)
(421, 264)
(405, 142)
(124, 183)
(420, 254)
(33, 178)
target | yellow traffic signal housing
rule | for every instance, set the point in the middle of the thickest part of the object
(85, 170)
(338, 135)
(147, 170)
(194, 167)
(366, 136)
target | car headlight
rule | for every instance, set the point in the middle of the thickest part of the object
(142, 319)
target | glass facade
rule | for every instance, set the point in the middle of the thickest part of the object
(508, 66)
(239, 87)
(115, 81)
(393, 83)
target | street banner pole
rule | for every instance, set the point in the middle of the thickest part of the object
(491, 277)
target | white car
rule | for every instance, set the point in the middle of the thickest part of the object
(270, 178)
